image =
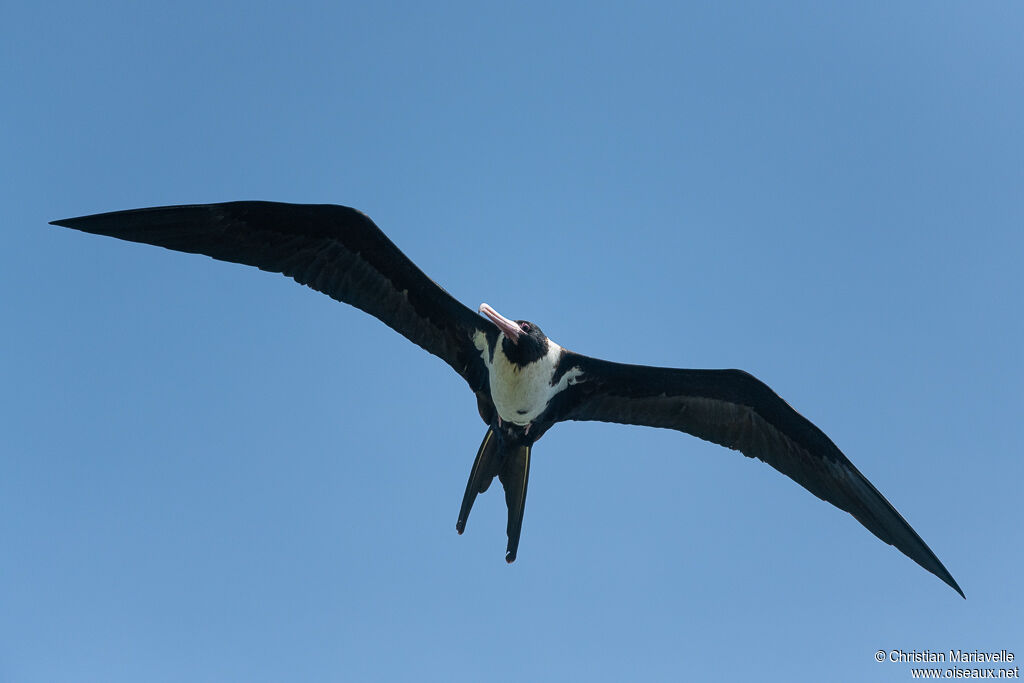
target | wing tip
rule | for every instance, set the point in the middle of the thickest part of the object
(951, 582)
(939, 570)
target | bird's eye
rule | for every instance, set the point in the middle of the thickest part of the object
(525, 326)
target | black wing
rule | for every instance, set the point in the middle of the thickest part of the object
(736, 410)
(332, 249)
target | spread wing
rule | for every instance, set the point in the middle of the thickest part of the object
(734, 409)
(332, 249)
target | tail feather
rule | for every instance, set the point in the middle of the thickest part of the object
(514, 475)
(485, 468)
(511, 464)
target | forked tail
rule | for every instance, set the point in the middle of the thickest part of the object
(511, 464)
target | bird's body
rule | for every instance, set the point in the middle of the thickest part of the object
(524, 382)
(522, 392)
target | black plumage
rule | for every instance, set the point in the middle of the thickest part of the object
(512, 366)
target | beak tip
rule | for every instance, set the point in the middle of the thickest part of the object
(508, 327)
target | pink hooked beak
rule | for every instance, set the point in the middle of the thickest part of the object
(509, 327)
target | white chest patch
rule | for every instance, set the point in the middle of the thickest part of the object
(521, 394)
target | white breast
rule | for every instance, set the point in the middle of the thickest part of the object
(521, 394)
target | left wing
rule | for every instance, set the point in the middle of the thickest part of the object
(736, 410)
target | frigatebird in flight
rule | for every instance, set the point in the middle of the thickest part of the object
(524, 382)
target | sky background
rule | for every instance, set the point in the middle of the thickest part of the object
(209, 473)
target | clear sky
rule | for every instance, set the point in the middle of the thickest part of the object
(210, 473)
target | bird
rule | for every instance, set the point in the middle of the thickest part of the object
(524, 382)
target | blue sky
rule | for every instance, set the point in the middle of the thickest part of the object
(210, 473)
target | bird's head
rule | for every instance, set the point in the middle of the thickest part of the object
(522, 341)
